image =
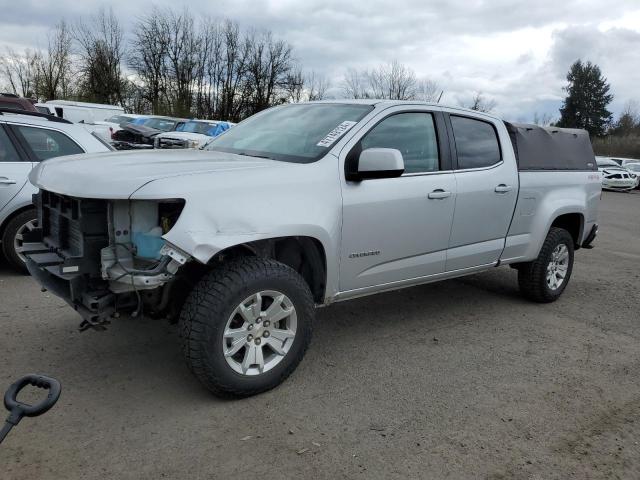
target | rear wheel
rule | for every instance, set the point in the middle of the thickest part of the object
(544, 279)
(13, 238)
(246, 325)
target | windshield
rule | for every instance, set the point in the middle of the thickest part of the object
(634, 167)
(164, 124)
(300, 133)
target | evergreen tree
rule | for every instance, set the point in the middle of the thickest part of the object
(587, 99)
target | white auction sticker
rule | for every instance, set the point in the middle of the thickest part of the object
(334, 134)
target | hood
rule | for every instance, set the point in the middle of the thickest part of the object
(116, 175)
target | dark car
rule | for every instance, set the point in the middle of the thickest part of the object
(11, 100)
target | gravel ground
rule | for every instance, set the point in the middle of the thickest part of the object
(461, 379)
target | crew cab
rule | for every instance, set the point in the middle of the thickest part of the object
(302, 206)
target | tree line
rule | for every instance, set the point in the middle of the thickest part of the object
(173, 63)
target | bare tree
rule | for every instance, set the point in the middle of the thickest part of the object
(316, 86)
(182, 52)
(53, 67)
(481, 104)
(293, 86)
(428, 90)
(20, 72)
(543, 120)
(355, 84)
(147, 58)
(393, 81)
(101, 52)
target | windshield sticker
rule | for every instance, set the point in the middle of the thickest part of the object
(335, 133)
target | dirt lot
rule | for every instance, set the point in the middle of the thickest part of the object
(462, 379)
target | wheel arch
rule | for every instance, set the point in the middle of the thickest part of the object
(12, 215)
(306, 255)
(572, 223)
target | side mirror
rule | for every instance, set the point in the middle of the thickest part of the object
(380, 163)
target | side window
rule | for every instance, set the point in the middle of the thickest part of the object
(414, 134)
(47, 144)
(476, 143)
(7, 150)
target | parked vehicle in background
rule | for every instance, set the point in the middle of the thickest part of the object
(12, 101)
(307, 204)
(81, 111)
(635, 169)
(191, 134)
(25, 141)
(623, 162)
(164, 124)
(116, 122)
(615, 177)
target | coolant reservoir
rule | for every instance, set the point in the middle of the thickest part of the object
(148, 244)
(145, 232)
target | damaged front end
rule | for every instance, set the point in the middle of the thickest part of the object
(104, 257)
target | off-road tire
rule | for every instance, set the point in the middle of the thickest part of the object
(532, 275)
(8, 236)
(208, 306)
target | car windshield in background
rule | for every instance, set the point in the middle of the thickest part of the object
(164, 124)
(607, 163)
(634, 167)
(293, 133)
(120, 119)
(197, 127)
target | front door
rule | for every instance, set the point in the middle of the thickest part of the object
(396, 229)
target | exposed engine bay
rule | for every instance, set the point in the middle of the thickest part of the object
(105, 256)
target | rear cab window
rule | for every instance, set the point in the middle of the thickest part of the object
(45, 143)
(476, 141)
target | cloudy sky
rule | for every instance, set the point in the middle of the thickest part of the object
(514, 52)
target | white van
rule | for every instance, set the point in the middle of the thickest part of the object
(79, 111)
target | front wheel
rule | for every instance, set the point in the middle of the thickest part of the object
(544, 279)
(246, 326)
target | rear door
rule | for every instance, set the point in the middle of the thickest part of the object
(397, 229)
(14, 167)
(487, 190)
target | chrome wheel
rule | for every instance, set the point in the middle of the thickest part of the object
(18, 240)
(259, 332)
(558, 267)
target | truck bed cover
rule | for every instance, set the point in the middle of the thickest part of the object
(551, 148)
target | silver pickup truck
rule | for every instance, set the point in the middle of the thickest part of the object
(305, 205)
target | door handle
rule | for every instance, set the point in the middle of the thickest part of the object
(439, 194)
(7, 181)
(502, 188)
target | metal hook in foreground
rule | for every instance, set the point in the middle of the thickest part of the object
(17, 409)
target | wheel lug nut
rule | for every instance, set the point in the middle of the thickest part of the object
(249, 338)
(266, 323)
(265, 334)
(250, 327)
(257, 341)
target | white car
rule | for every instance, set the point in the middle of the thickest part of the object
(624, 162)
(615, 177)
(191, 134)
(27, 139)
(635, 169)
